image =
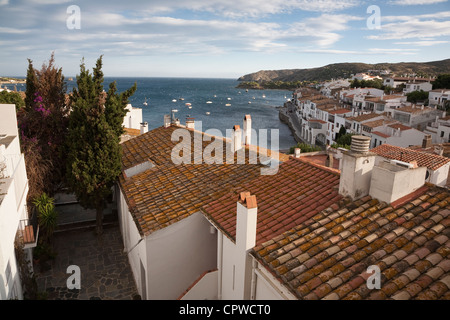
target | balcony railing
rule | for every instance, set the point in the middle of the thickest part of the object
(30, 231)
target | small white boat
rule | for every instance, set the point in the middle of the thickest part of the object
(174, 100)
(264, 95)
(228, 105)
(215, 96)
(254, 98)
(208, 113)
(228, 98)
(182, 99)
(208, 102)
(190, 107)
(188, 104)
(249, 102)
(145, 102)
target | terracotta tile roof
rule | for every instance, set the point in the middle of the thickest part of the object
(340, 111)
(327, 256)
(321, 160)
(424, 159)
(365, 117)
(381, 134)
(400, 126)
(167, 193)
(296, 193)
(378, 123)
(414, 109)
(317, 120)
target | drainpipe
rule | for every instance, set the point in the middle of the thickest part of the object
(219, 264)
(253, 283)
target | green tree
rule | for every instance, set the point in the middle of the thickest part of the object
(304, 148)
(12, 98)
(417, 96)
(43, 127)
(47, 215)
(31, 88)
(345, 140)
(442, 81)
(93, 148)
(115, 107)
(342, 132)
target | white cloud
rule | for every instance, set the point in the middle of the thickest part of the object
(422, 43)
(419, 27)
(12, 30)
(370, 51)
(321, 30)
(415, 2)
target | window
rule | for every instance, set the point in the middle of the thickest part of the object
(442, 134)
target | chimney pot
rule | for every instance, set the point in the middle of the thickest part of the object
(167, 120)
(247, 129)
(144, 127)
(297, 152)
(237, 139)
(426, 143)
(360, 144)
(190, 124)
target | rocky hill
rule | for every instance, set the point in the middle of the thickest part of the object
(345, 70)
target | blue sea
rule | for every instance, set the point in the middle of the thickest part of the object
(160, 94)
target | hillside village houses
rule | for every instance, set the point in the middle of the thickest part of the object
(386, 118)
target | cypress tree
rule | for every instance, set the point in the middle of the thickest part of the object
(93, 143)
(31, 86)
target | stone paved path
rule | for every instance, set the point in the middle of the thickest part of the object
(105, 271)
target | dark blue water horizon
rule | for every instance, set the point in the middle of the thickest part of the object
(226, 104)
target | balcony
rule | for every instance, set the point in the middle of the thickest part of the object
(29, 230)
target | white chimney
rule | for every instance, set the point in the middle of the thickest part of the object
(167, 120)
(247, 129)
(357, 165)
(297, 152)
(392, 180)
(190, 124)
(144, 127)
(246, 223)
(237, 138)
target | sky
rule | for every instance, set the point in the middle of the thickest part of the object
(218, 38)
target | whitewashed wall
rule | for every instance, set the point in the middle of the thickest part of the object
(178, 254)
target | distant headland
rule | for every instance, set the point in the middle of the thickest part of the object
(260, 79)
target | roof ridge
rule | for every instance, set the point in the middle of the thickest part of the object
(327, 169)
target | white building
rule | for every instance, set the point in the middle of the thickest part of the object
(439, 130)
(385, 103)
(133, 118)
(438, 97)
(415, 116)
(14, 222)
(437, 166)
(394, 82)
(296, 252)
(170, 244)
(396, 134)
(417, 86)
